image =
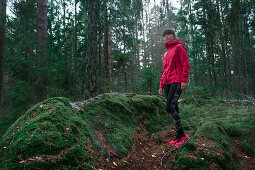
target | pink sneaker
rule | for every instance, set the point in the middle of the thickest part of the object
(173, 142)
(183, 140)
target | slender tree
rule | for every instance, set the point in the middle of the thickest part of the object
(90, 84)
(2, 42)
(74, 47)
(106, 46)
(42, 48)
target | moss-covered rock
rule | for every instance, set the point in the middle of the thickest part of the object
(59, 134)
(53, 134)
(213, 124)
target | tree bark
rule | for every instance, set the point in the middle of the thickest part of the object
(137, 47)
(42, 48)
(106, 46)
(168, 14)
(223, 48)
(235, 44)
(51, 23)
(110, 58)
(208, 51)
(90, 83)
(125, 78)
(245, 49)
(2, 42)
(100, 59)
(194, 56)
(74, 48)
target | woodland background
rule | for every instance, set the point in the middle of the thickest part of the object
(81, 48)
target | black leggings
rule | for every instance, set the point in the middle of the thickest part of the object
(173, 92)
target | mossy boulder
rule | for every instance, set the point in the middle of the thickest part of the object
(213, 126)
(54, 134)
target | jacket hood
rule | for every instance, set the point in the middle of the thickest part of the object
(172, 43)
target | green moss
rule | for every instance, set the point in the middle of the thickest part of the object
(186, 125)
(52, 126)
(153, 110)
(74, 156)
(191, 163)
(190, 146)
(46, 128)
(209, 130)
(247, 148)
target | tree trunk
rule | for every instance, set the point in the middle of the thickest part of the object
(223, 51)
(207, 48)
(90, 81)
(244, 32)
(137, 47)
(106, 46)
(168, 14)
(74, 48)
(42, 49)
(235, 44)
(2, 43)
(145, 43)
(194, 56)
(125, 78)
(226, 37)
(100, 59)
(110, 58)
(213, 61)
(51, 23)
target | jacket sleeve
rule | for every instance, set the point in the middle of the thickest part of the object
(184, 62)
(163, 75)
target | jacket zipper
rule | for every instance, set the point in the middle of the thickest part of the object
(166, 67)
(175, 68)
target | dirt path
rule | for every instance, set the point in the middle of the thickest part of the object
(147, 152)
(156, 153)
(245, 162)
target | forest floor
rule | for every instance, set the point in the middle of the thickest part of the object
(155, 152)
(248, 162)
(133, 135)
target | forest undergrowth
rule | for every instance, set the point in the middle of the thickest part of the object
(130, 131)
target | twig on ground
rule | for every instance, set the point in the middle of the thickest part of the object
(167, 154)
(249, 97)
(196, 100)
(239, 101)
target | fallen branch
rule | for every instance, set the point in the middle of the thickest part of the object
(239, 101)
(167, 154)
(196, 100)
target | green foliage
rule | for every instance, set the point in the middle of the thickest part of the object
(22, 94)
(121, 59)
(190, 146)
(248, 148)
(152, 113)
(190, 163)
(74, 156)
(201, 94)
(149, 80)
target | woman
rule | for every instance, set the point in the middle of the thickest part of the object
(174, 80)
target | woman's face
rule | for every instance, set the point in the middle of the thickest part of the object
(169, 37)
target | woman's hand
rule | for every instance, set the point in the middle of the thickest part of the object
(160, 91)
(183, 86)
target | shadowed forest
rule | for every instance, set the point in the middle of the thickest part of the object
(79, 83)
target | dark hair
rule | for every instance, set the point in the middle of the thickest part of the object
(168, 31)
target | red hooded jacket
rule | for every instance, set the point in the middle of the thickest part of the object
(175, 63)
